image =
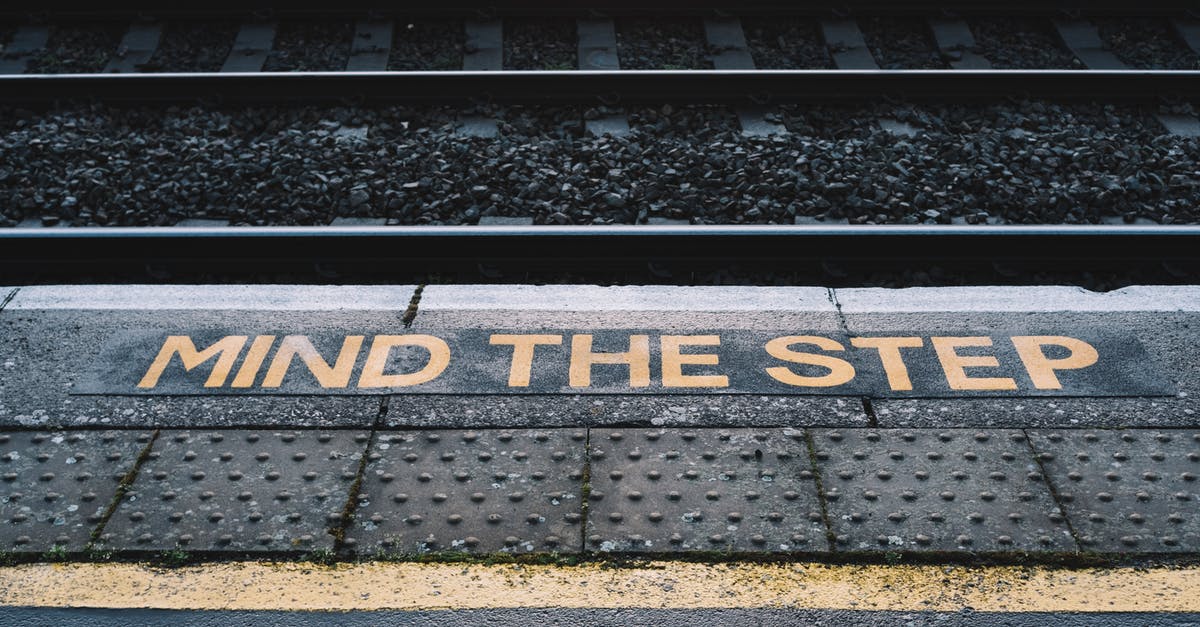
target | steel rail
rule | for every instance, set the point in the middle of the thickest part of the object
(88, 250)
(622, 87)
(475, 8)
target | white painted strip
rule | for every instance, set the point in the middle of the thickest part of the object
(1034, 299)
(216, 297)
(624, 298)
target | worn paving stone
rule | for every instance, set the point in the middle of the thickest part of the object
(56, 486)
(714, 410)
(1128, 490)
(490, 491)
(239, 491)
(657, 490)
(1165, 336)
(666, 308)
(44, 354)
(947, 490)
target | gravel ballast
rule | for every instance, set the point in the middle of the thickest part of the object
(1016, 163)
(310, 47)
(660, 44)
(1146, 44)
(781, 43)
(546, 44)
(194, 47)
(427, 44)
(901, 43)
(1022, 43)
(78, 47)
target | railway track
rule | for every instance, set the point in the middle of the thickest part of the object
(932, 60)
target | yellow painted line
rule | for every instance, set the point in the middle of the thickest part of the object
(675, 585)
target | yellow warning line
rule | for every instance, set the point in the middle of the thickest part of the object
(407, 586)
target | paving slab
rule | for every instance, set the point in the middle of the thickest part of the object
(52, 339)
(623, 410)
(1126, 491)
(1161, 321)
(510, 491)
(729, 490)
(56, 486)
(238, 491)
(943, 490)
(611, 314)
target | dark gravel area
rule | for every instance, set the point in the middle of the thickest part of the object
(310, 47)
(6, 34)
(1019, 163)
(1147, 44)
(541, 44)
(1022, 43)
(194, 47)
(901, 43)
(424, 44)
(783, 43)
(78, 47)
(661, 44)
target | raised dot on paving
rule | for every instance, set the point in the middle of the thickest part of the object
(55, 487)
(1126, 490)
(948, 490)
(490, 491)
(657, 490)
(242, 491)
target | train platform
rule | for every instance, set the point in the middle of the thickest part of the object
(596, 451)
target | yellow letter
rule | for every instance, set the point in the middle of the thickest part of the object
(522, 359)
(840, 370)
(1041, 368)
(253, 361)
(673, 362)
(381, 347)
(953, 364)
(336, 376)
(582, 358)
(225, 350)
(889, 354)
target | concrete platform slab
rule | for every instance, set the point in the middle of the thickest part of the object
(51, 338)
(728, 490)
(655, 310)
(1126, 491)
(57, 486)
(495, 491)
(945, 490)
(238, 491)
(1162, 321)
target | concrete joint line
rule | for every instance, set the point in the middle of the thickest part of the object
(122, 490)
(819, 484)
(351, 505)
(1050, 487)
(8, 298)
(410, 313)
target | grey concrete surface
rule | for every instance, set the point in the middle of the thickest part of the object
(660, 490)
(515, 491)
(625, 410)
(216, 297)
(1166, 336)
(44, 352)
(238, 490)
(1017, 299)
(659, 307)
(625, 617)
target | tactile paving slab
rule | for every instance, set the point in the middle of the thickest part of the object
(949, 490)
(239, 491)
(56, 486)
(664, 490)
(1126, 491)
(488, 491)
